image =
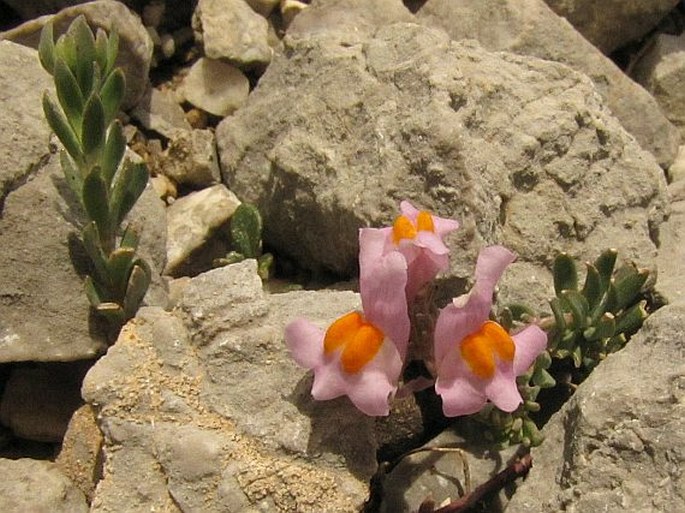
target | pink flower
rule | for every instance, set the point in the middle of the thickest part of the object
(361, 354)
(418, 236)
(476, 359)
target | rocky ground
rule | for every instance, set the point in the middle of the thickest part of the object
(546, 126)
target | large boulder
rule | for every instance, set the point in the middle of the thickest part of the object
(521, 151)
(617, 444)
(202, 409)
(612, 23)
(530, 27)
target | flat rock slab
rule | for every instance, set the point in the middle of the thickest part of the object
(20, 480)
(521, 151)
(203, 410)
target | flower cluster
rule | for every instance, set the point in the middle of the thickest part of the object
(362, 354)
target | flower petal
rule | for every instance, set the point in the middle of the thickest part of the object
(460, 396)
(431, 242)
(382, 288)
(454, 324)
(305, 342)
(530, 342)
(373, 244)
(491, 263)
(502, 389)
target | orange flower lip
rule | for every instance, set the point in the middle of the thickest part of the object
(404, 228)
(360, 341)
(480, 348)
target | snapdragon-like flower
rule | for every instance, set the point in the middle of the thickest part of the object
(418, 236)
(476, 359)
(361, 354)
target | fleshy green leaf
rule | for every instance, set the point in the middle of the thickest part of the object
(264, 264)
(138, 283)
(69, 94)
(92, 292)
(65, 49)
(630, 321)
(592, 289)
(85, 50)
(112, 51)
(130, 238)
(605, 266)
(112, 93)
(96, 203)
(72, 175)
(115, 147)
(577, 305)
(101, 50)
(112, 312)
(565, 274)
(59, 124)
(628, 282)
(246, 230)
(91, 243)
(605, 327)
(119, 265)
(46, 48)
(93, 131)
(129, 184)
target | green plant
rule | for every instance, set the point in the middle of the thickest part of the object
(587, 324)
(89, 91)
(246, 239)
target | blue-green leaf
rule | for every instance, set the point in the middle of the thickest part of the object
(59, 124)
(69, 94)
(46, 48)
(565, 274)
(112, 93)
(93, 131)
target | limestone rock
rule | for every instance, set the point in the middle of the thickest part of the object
(23, 132)
(193, 218)
(440, 475)
(135, 45)
(531, 28)
(661, 70)
(215, 86)
(22, 478)
(158, 110)
(521, 151)
(617, 444)
(231, 30)
(44, 314)
(614, 23)
(203, 410)
(80, 457)
(263, 7)
(191, 158)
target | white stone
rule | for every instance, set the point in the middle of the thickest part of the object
(191, 220)
(215, 86)
(231, 30)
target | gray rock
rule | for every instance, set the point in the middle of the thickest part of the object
(80, 455)
(661, 70)
(135, 45)
(158, 110)
(231, 30)
(350, 20)
(440, 475)
(36, 486)
(215, 86)
(23, 132)
(203, 410)
(671, 280)
(38, 401)
(521, 151)
(44, 313)
(191, 158)
(531, 28)
(263, 7)
(617, 444)
(614, 23)
(192, 219)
